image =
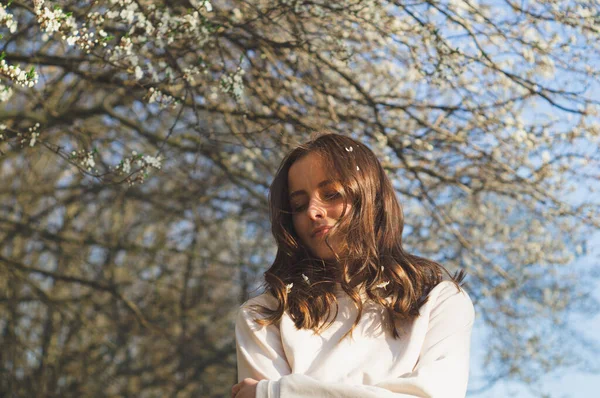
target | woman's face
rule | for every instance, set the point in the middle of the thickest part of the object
(315, 202)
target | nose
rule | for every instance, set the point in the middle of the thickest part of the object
(316, 209)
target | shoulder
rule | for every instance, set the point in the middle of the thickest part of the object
(251, 309)
(448, 300)
(265, 299)
(446, 289)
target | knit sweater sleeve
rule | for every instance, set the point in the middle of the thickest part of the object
(442, 369)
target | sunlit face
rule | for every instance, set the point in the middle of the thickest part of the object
(315, 202)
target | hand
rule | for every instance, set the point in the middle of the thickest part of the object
(244, 389)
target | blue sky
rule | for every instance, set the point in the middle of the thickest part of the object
(563, 383)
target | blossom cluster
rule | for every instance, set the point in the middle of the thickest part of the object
(30, 136)
(56, 20)
(142, 28)
(7, 19)
(140, 160)
(33, 134)
(5, 93)
(85, 158)
(155, 28)
(190, 72)
(162, 99)
(18, 75)
(233, 84)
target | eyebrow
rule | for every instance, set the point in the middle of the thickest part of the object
(303, 192)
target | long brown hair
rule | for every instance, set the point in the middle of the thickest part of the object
(372, 252)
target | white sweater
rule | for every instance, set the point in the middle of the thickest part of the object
(431, 359)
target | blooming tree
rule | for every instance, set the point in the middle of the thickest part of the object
(138, 140)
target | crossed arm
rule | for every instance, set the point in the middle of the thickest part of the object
(441, 371)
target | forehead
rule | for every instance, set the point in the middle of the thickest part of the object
(306, 172)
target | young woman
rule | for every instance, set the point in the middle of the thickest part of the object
(347, 312)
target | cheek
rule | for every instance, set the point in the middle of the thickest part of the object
(298, 226)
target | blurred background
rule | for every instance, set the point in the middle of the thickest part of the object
(138, 140)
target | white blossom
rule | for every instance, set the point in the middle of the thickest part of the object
(202, 3)
(5, 93)
(153, 161)
(33, 139)
(138, 73)
(88, 161)
(382, 285)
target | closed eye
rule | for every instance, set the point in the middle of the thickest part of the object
(333, 196)
(328, 197)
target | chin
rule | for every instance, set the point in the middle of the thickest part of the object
(327, 258)
(322, 251)
(324, 254)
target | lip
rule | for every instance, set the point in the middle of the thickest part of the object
(319, 231)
